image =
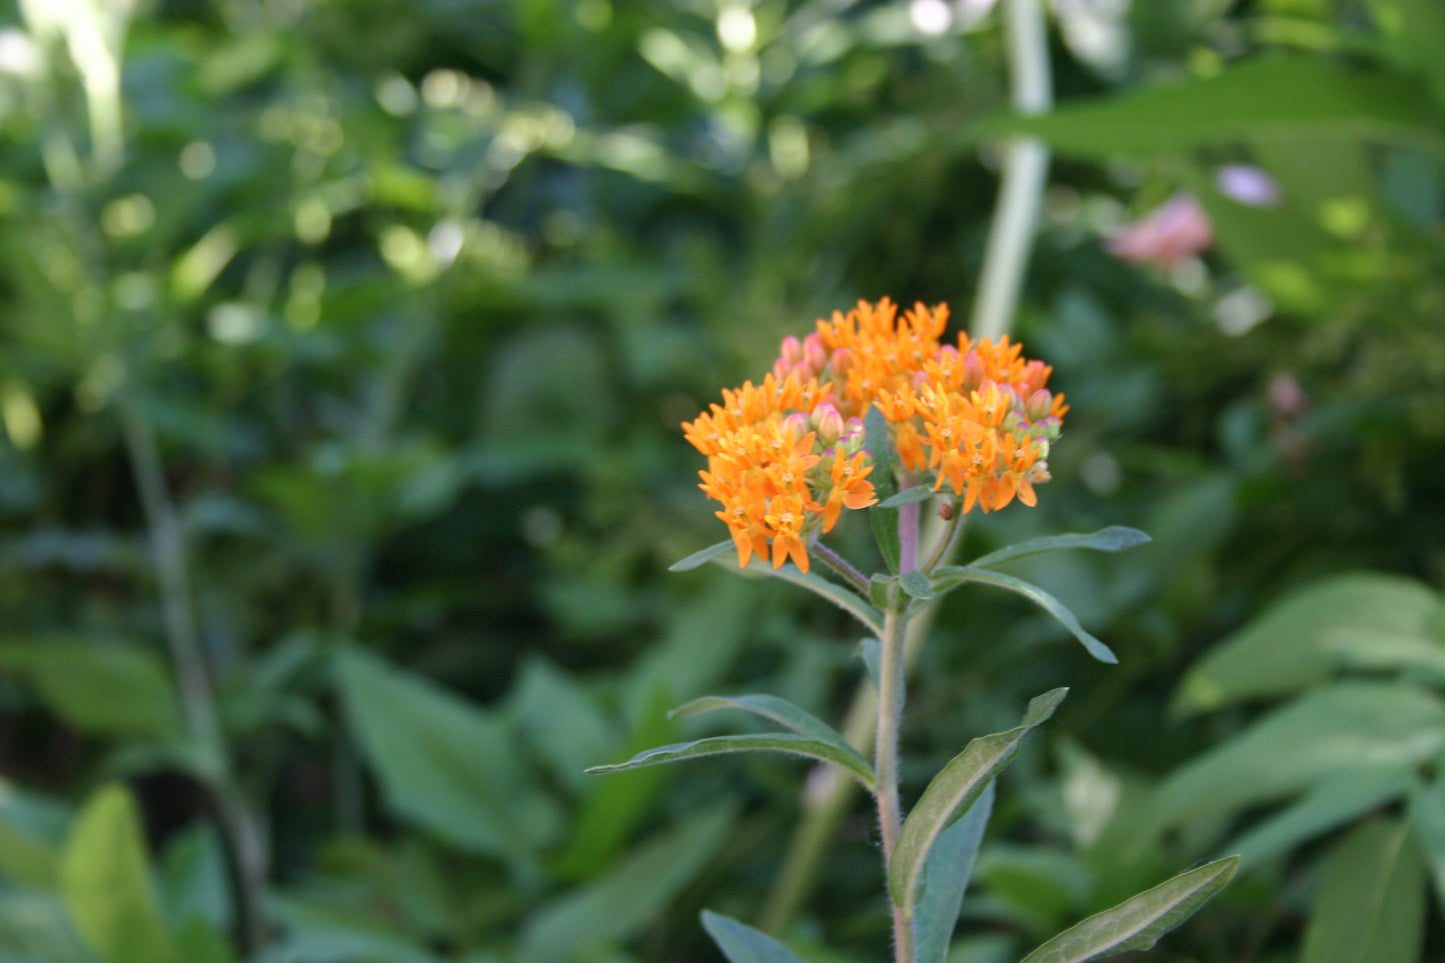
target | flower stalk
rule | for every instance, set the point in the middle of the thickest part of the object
(892, 691)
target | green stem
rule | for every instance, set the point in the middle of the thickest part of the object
(946, 542)
(891, 695)
(855, 579)
(1025, 168)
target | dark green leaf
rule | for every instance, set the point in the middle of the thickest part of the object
(1427, 821)
(700, 558)
(952, 792)
(630, 895)
(105, 879)
(954, 575)
(1371, 903)
(100, 688)
(885, 485)
(741, 943)
(787, 742)
(1138, 922)
(1309, 97)
(1115, 538)
(945, 878)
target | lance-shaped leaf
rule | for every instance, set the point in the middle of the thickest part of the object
(1115, 538)
(945, 878)
(953, 576)
(700, 558)
(908, 496)
(1138, 922)
(741, 943)
(885, 519)
(952, 792)
(1370, 905)
(871, 618)
(781, 711)
(787, 742)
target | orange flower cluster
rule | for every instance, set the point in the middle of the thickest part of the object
(786, 457)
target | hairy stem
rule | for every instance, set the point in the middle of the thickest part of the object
(855, 579)
(891, 694)
(1025, 167)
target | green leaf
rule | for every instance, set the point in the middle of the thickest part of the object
(1138, 922)
(1293, 645)
(952, 792)
(871, 618)
(780, 711)
(1115, 538)
(741, 943)
(917, 585)
(629, 896)
(908, 496)
(1324, 807)
(787, 742)
(105, 879)
(1309, 97)
(1427, 820)
(442, 763)
(99, 688)
(871, 651)
(1417, 31)
(560, 719)
(1371, 903)
(952, 576)
(701, 558)
(1348, 728)
(885, 485)
(945, 878)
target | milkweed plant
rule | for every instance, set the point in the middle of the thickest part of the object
(875, 412)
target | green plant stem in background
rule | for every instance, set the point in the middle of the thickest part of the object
(1025, 163)
(241, 835)
(892, 689)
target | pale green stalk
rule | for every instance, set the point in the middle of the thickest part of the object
(1025, 168)
(892, 688)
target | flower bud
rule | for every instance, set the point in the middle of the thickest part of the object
(828, 422)
(841, 361)
(972, 372)
(814, 351)
(792, 349)
(781, 368)
(1039, 405)
(794, 427)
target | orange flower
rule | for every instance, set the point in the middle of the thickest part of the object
(786, 457)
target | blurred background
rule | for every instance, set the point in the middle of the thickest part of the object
(345, 347)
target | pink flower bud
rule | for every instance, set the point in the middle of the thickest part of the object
(794, 427)
(972, 372)
(828, 422)
(781, 368)
(1040, 402)
(841, 361)
(814, 352)
(792, 349)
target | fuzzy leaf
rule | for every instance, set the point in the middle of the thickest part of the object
(1138, 922)
(952, 792)
(787, 742)
(945, 878)
(1371, 903)
(780, 711)
(908, 496)
(700, 558)
(1115, 538)
(953, 576)
(741, 943)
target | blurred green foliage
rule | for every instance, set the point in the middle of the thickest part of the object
(345, 345)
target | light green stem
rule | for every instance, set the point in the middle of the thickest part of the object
(1025, 168)
(891, 693)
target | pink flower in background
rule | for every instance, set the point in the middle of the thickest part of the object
(1177, 230)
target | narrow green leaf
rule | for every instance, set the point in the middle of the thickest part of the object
(787, 742)
(952, 792)
(885, 486)
(630, 895)
(741, 943)
(1371, 904)
(917, 585)
(956, 575)
(908, 496)
(1138, 922)
(1310, 97)
(871, 618)
(780, 711)
(1115, 538)
(701, 558)
(105, 880)
(945, 878)
(1297, 642)
(1427, 820)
